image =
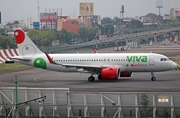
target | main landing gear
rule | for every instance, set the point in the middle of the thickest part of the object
(99, 77)
(153, 78)
(91, 79)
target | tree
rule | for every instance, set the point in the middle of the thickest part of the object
(169, 23)
(136, 24)
(152, 15)
(65, 36)
(166, 114)
(46, 37)
(144, 101)
(91, 32)
(34, 35)
(106, 20)
(166, 21)
(6, 42)
(87, 34)
(117, 21)
(107, 29)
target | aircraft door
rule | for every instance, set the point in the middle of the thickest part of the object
(151, 60)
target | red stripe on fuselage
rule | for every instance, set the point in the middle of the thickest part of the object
(49, 58)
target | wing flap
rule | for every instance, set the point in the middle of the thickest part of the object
(81, 66)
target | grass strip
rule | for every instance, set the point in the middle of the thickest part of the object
(12, 66)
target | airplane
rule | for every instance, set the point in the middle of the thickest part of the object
(108, 66)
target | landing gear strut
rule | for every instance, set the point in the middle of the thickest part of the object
(153, 78)
(91, 79)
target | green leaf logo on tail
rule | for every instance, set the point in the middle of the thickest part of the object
(40, 63)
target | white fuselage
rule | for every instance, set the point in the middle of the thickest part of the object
(130, 62)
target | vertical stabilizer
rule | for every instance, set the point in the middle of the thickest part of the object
(25, 45)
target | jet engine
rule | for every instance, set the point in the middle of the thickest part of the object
(109, 73)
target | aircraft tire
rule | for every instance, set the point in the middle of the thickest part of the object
(153, 78)
(99, 77)
(91, 79)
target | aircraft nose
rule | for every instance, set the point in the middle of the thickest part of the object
(174, 65)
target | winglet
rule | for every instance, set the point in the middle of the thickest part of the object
(49, 58)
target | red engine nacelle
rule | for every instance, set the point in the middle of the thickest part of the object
(125, 74)
(110, 73)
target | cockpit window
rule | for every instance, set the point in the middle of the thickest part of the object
(164, 59)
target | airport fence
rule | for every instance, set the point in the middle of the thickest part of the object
(60, 103)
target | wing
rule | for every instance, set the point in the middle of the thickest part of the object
(84, 68)
(89, 68)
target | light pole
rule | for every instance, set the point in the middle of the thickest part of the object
(16, 95)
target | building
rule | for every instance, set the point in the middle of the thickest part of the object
(74, 22)
(174, 13)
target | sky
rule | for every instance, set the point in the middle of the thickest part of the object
(23, 9)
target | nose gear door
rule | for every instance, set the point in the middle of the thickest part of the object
(151, 60)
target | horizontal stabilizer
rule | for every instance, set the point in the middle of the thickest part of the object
(20, 59)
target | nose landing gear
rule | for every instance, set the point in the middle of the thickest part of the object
(153, 78)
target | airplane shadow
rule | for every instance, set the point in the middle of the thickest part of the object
(135, 80)
(121, 80)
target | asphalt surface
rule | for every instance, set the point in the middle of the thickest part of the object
(168, 81)
(140, 82)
